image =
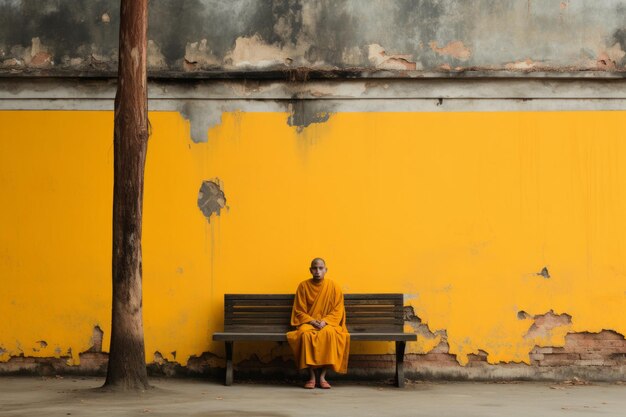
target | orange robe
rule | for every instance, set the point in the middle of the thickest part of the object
(329, 346)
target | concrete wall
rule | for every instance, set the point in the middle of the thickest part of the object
(323, 38)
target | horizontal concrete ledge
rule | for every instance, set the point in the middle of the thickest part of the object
(396, 89)
(305, 74)
(202, 109)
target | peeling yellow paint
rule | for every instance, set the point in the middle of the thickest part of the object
(459, 209)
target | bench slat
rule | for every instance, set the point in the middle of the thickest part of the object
(378, 296)
(257, 303)
(365, 302)
(280, 337)
(378, 312)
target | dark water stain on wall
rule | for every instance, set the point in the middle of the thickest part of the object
(619, 36)
(174, 23)
(306, 112)
(66, 27)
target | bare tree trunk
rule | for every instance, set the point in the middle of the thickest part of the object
(127, 363)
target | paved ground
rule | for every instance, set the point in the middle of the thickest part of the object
(30, 396)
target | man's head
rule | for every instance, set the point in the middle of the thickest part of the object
(318, 268)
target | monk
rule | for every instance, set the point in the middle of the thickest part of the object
(321, 340)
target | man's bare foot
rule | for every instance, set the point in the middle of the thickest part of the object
(310, 384)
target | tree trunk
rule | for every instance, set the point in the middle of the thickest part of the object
(127, 363)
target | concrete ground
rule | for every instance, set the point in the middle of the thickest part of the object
(31, 396)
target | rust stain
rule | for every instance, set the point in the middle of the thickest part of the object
(455, 49)
(41, 60)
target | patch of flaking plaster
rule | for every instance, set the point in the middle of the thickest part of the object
(525, 65)
(156, 60)
(522, 315)
(211, 198)
(455, 49)
(416, 323)
(547, 326)
(13, 63)
(610, 57)
(96, 339)
(381, 60)
(37, 55)
(105, 18)
(428, 341)
(303, 113)
(256, 53)
(198, 55)
(158, 358)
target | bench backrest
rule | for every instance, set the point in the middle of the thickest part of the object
(271, 313)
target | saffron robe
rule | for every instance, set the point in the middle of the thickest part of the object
(329, 346)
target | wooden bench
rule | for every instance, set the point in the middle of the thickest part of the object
(266, 317)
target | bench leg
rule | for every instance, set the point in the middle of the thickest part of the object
(400, 345)
(229, 364)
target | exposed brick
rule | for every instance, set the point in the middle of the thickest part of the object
(439, 358)
(592, 355)
(559, 359)
(595, 362)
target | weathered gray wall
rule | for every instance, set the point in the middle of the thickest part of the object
(192, 38)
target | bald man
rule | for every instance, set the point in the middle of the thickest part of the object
(321, 340)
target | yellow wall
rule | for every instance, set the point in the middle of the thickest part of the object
(457, 210)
